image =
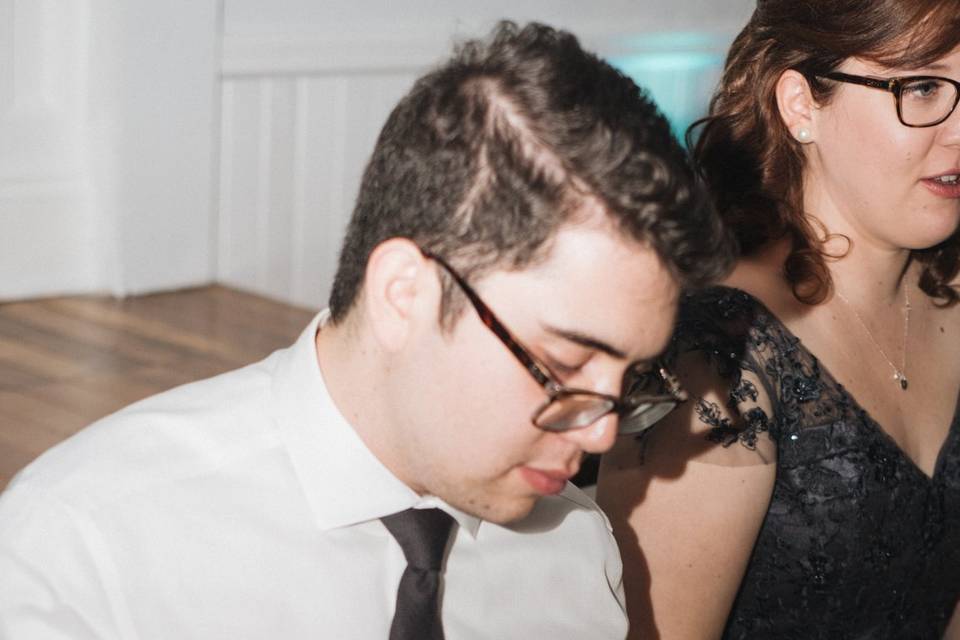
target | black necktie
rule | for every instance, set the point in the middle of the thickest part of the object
(422, 534)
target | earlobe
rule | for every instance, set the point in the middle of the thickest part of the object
(796, 105)
(393, 287)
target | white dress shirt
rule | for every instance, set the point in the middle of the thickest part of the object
(245, 506)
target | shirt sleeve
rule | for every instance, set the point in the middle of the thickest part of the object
(52, 572)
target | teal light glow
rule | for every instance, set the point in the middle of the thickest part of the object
(677, 69)
(668, 61)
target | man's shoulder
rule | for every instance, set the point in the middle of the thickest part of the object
(170, 434)
(582, 500)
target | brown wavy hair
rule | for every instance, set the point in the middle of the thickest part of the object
(751, 163)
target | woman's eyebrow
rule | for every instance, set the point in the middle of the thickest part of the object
(936, 66)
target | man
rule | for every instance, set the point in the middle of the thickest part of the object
(524, 184)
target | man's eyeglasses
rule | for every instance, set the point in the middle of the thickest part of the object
(922, 101)
(649, 395)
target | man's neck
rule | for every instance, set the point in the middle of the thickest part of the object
(353, 371)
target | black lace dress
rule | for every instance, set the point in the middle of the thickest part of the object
(857, 542)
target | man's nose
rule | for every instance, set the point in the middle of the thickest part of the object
(597, 437)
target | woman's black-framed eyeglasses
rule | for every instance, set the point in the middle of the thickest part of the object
(922, 101)
(649, 395)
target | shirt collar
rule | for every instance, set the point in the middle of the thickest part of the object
(343, 481)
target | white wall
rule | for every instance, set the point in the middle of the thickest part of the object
(376, 19)
(47, 232)
(107, 132)
(152, 116)
(151, 145)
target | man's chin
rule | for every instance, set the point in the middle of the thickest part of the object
(503, 511)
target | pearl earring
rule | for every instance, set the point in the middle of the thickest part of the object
(803, 135)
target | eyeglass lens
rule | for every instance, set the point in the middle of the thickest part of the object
(572, 411)
(647, 400)
(926, 101)
(645, 416)
(576, 411)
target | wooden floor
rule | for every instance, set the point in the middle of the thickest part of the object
(64, 362)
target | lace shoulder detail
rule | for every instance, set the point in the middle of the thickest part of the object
(737, 336)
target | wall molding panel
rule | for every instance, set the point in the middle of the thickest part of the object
(296, 132)
(312, 55)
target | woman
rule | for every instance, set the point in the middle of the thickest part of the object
(811, 486)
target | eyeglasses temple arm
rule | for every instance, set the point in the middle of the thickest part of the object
(877, 83)
(493, 323)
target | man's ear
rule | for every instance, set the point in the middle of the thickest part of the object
(796, 105)
(398, 288)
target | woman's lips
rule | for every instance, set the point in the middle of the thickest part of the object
(944, 189)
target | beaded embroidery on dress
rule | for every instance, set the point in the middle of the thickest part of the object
(857, 541)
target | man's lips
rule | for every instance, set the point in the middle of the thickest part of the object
(544, 481)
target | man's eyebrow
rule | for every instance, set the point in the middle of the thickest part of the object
(587, 341)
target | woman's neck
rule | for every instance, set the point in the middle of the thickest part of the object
(870, 278)
(866, 267)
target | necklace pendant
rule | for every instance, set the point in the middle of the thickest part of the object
(902, 379)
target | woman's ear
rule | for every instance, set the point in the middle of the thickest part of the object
(796, 105)
(395, 290)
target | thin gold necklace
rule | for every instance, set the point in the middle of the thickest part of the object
(899, 374)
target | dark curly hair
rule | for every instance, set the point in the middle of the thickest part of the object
(751, 163)
(490, 154)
